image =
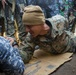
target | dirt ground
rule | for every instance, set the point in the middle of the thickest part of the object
(69, 68)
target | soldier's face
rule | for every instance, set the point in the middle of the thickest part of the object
(34, 30)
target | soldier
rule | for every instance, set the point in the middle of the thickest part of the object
(50, 34)
(10, 60)
(71, 19)
(10, 16)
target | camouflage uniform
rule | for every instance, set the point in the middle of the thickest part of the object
(71, 15)
(66, 5)
(49, 7)
(21, 4)
(1, 9)
(52, 42)
(53, 7)
(10, 29)
(74, 7)
(10, 60)
(17, 16)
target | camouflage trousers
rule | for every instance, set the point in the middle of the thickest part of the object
(10, 61)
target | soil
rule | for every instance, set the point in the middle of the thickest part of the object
(69, 68)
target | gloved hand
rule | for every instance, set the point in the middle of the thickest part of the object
(60, 42)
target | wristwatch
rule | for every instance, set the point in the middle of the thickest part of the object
(14, 43)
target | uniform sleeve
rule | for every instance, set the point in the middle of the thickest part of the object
(61, 41)
(28, 50)
(10, 61)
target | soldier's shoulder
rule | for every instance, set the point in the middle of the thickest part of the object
(58, 22)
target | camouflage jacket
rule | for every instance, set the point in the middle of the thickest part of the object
(51, 42)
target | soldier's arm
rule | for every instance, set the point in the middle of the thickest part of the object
(28, 50)
(26, 54)
(61, 39)
(10, 60)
